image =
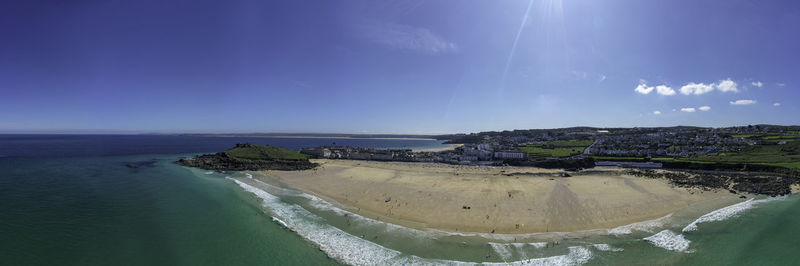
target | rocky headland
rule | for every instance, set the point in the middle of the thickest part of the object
(251, 157)
(755, 183)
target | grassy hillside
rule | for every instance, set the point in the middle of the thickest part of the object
(558, 148)
(258, 152)
(769, 153)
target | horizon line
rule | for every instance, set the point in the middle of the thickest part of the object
(300, 133)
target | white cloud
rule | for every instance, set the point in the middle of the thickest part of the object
(780, 84)
(743, 102)
(664, 90)
(656, 112)
(660, 89)
(757, 84)
(405, 37)
(688, 110)
(727, 85)
(696, 88)
(603, 78)
(776, 104)
(643, 89)
(704, 108)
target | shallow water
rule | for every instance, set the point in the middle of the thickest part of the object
(72, 200)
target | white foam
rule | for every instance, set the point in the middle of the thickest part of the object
(727, 212)
(606, 247)
(577, 255)
(501, 250)
(334, 242)
(209, 172)
(248, 175)
(670, 241)
(646, 226)
(353, 250)
(538, 244)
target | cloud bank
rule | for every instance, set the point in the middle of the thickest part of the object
(691, 88)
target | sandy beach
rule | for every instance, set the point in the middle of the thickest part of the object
(483, 199)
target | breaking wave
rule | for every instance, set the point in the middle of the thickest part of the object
(670, 241)
(606, 247)
(727, 212)
(646, 226)
(281, 222)
(502, 250)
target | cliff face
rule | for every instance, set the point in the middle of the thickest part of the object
(221, 161)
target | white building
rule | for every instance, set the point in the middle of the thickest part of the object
(505, 155)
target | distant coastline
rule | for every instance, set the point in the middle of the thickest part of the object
(320, 136)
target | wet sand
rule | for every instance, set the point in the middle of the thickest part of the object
(530, 200)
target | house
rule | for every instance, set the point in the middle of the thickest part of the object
(317, 152)
(385, 156)
(510, 155)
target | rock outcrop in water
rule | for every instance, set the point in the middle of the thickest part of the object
(250, 157)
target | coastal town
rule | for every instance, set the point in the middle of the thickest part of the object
(626, 147)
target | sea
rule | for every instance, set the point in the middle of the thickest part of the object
(73, 200)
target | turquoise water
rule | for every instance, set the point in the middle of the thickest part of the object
(72, 201)
(96, 211)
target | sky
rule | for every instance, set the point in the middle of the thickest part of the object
(406, 67)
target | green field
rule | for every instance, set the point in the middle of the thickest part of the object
(611, 158)
(769, 153)
(258, 152)
(557, 148)
(745, 135)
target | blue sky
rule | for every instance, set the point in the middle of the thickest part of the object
(395, 66)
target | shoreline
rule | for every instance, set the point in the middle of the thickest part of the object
(683, 215)
(576, 205)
